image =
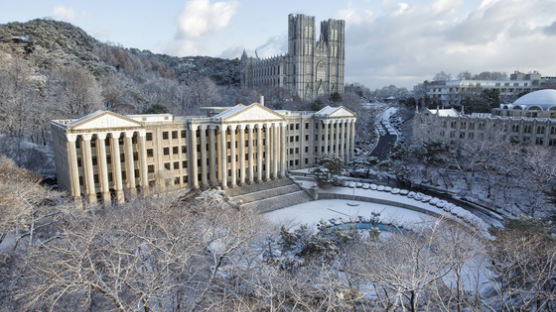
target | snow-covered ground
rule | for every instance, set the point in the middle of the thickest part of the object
(384, 120)
(313, 212)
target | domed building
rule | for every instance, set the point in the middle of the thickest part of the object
(531, 119)
(542, 100)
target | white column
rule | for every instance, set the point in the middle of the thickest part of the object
(250, 152)
(259, 153)
(284, 150)
(344, 141)
(87, 161)
(320, 129)
(334, 138)
(241, 154)
(117, 167)
(325, 124)
(348, 139)
(130, 167)
(204, 179)
(143, 172)
(352, 139)
(275, 152)
(233, 154)
(193, 172)
(223, 157)
(267, 151)
(73, 170)
(103, 171)
(213, 156)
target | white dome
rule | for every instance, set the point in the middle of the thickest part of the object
(543, 99)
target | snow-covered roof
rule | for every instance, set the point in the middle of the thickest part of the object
(450, 112)
(230, 111)
(327, 110)
(541, 99)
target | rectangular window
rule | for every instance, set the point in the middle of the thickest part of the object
(175, 150)
(167, 166)
(307, 126)
(184, 149)
(177, 181)
(151, 169)
(183, 134)
(184, 164)
(166, 151)
(174, 134)
(150, 152)
(149, 136)
(165, 135)
(176, 165)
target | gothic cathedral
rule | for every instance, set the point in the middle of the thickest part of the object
(310, 68)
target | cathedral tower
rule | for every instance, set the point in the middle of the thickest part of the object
(311, 68)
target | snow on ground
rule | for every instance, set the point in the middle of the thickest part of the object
(313, 212)
(384, 118)
(414, 199)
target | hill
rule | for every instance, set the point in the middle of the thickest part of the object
(53, 43)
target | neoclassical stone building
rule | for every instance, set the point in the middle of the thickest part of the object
(310, 68)
(106, 156)
(531, 119)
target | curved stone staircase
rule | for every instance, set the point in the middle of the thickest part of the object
(268, 196)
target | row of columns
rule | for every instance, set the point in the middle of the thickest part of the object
(88, 170)
(342, 136)
(217, 172)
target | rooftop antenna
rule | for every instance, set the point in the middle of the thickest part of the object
(262, 100)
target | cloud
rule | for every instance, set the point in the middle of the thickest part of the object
(551, 29)
(198, 18)
(406, 44)
(352, 16)
(62, 13)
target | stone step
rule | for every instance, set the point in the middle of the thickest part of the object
(279, 201)
(258, 195)
(256, 187)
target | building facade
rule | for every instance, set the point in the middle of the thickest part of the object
(452, 92)
(106, 156)
(310, 68)
(531, 119)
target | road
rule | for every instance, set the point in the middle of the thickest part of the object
(382, 149)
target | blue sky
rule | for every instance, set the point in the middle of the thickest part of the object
(399, 42)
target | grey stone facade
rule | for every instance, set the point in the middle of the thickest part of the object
(310, 68)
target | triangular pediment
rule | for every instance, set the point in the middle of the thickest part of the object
(342, 112)
(103, 120)
(254, 112)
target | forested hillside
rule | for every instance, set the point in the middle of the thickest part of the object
(54, 70)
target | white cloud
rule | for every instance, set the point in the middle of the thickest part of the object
(352, 16)
(201, 16)
(198, 18)
(62, 13)
(405, 45)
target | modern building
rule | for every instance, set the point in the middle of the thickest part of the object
(451, 93)
(105, 156)
(531, 119)
(310, 68)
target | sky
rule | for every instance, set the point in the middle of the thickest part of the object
(399, 42)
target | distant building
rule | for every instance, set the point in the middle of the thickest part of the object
(310, 68)
(531, 119)
(452, 92)
(104, 155)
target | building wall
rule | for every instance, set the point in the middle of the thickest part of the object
(187, 152)
(451, 93)
(482, 127)
(310, 68)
